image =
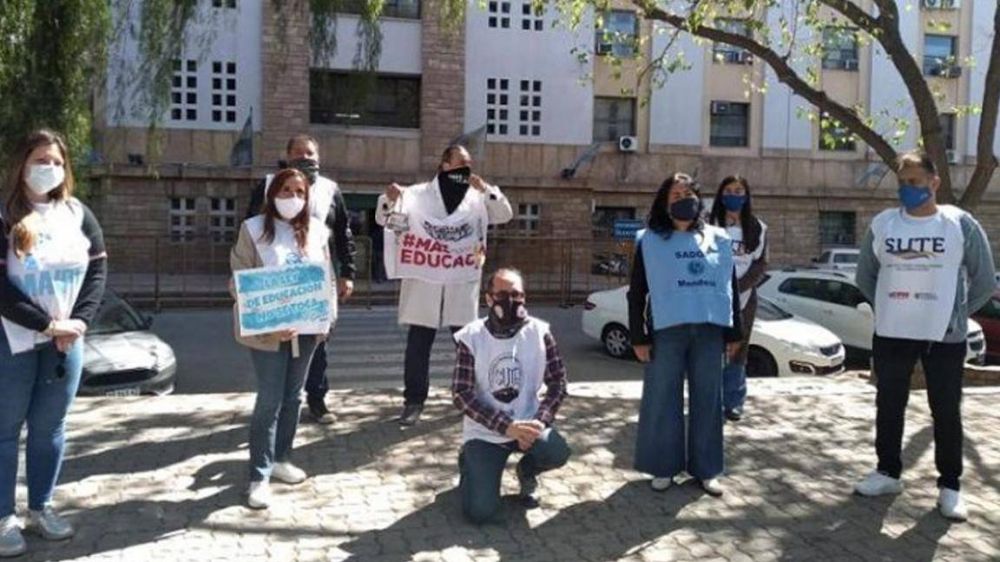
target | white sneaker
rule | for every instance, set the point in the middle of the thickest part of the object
(259, 495)
(878, 484)
(661, 484)
(288, 473)
(951, 505)
(713, 487)
(11, 541)
(49, 524)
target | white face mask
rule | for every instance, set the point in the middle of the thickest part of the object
(43, 178)
(290, 207)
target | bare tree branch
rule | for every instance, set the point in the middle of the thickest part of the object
(784, 72)
(986, 160)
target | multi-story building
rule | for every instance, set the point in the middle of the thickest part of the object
(540, 96)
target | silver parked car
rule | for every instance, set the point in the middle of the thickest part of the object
(122, 357)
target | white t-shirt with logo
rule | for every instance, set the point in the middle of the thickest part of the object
(52, 274)
(919, 259)
(510, 373)
(742, 259)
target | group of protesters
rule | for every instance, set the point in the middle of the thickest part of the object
(691, 308)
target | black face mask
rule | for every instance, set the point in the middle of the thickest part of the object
(685, 209)
(506, 316)
(307, 166)
(457, 178)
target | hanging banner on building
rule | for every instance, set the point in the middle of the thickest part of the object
(450, 250)
(292, 297)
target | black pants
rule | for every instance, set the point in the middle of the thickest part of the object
(943, 363)
(317, 384)
(416, 368)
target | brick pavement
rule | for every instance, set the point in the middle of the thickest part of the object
(151, 479)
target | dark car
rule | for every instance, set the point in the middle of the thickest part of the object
(122, 357)
(989, 317)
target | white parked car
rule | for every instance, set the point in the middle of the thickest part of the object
(838, 259)
(780, 344)
(833, 300)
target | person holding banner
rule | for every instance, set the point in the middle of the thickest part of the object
(435, 241)
(326, 203)
(684, 311)
(284, 238)
(52, 271)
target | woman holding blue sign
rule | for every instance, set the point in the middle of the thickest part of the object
(52, 271)
(284, 235)
(684, 268)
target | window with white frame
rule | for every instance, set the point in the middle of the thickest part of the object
(499, 14)
(223, 92)
(532, 16)
(529, 218)
(613, 118)
(840, 48)
(181, 217)
(530, 108)
(184, 91)
(222, 219)
(941, 56)
(725, 53)
(497, 106)
(618, 34)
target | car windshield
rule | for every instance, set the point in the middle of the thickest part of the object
(115, 316)
(845, 258)
(767, 310)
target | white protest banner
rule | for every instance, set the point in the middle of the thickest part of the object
(292, 297)
(449, 250)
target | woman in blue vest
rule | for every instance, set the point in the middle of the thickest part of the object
(683, 269)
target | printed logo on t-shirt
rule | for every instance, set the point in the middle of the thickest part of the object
(922, 247)
(696, 268)
(505, 378)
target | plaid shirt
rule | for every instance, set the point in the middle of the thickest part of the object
(463, 389)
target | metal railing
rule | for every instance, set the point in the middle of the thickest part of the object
(158, 272)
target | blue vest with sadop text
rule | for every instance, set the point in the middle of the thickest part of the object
(690, 276)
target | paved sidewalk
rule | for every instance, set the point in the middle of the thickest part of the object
(162, 479)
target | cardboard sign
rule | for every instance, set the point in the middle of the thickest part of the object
(291, 297)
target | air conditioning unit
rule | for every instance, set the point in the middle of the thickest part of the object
(628, 144)
(850, 65)
(720, 108)
(954, 157)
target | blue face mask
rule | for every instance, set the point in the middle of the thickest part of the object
(732, 202)
(913, 196)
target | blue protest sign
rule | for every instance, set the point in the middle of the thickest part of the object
(293, 297)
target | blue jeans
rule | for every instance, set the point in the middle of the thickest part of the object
(481, 465)
(734, 384)
(694, 351)
(36, 390)
(276, 412)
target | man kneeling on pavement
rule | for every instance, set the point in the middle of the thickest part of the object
(503, 361)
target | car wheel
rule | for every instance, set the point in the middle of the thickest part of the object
(616, 341)
(760, 363)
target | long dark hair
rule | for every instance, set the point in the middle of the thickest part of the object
(748, 222)
(19, 215)
(300, 224)
(659, 220)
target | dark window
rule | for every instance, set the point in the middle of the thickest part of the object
(499, 17)
(613, 118)
(344, 98)
(730, 124)
(800, 287)
(948, 126)
(725, 53)
(834, 135)
(836, 228)
(941, 56)
(619, 36)
(603, 219)
(840, 48)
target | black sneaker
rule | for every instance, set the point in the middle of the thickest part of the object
(734, 414)
(411, 414)
(320, 413)
(528, 482)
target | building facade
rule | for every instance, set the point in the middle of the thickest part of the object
(533, 98)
